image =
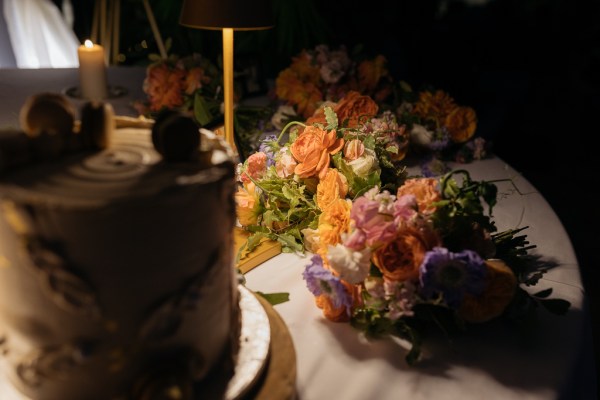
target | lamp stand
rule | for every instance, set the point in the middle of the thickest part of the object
(228, 84)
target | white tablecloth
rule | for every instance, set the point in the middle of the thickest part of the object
(490, 362)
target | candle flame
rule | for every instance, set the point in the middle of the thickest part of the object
(88, 43)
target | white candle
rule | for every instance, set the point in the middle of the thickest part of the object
(92, 71)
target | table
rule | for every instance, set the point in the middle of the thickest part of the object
(335, 362)
(16, 85)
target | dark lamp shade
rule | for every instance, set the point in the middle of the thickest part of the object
(218, 14)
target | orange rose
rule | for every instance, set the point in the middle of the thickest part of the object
(399, 260)
(425, 191)
(355, 108)
(334, 221)
(298, 85)
(334, 186)
(164, 86)
(501, 285)
(370, 72)
(312, 149)
(461, 124)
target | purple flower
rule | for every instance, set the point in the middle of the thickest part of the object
(320, 281)
(433, 167)
(266, 147)
(452, 275)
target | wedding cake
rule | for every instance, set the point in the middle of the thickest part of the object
(116, 260)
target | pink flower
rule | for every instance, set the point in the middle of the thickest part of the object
(378, 228)
(256, 167)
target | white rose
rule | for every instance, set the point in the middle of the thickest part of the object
(419, 135)
(365, 164)
(352, 266)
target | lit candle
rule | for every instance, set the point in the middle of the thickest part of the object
(92, 71)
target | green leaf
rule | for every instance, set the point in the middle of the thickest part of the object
(331, 118)
(544, 293)
(275, 298)
(556, 306)
(201, 110)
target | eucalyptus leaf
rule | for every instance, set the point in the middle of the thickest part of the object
(275, 298)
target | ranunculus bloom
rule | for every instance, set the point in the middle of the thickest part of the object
(248, 206)
(434, 105)
(332, 187)
(461, 124)
(399, 260)
(334, 221)
(500, 287)
(256, 166)
(312, 148)
(425, 191)
(353, 149)
(355, 108)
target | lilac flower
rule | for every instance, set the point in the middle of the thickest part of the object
(320, 281)
(452, 275)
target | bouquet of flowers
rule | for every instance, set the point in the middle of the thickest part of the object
(192, 84)
(324, 74)
(440, 129)
(293, 184)
(391, 254)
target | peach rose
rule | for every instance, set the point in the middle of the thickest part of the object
(312, 150)
(332, 187)
(334, 221)
(501, 285)
(425, 190)
(399, 260)
(461, 124)
(248, 206)
(355, 108)
(164, 86)
(285, 163)
(353, 149)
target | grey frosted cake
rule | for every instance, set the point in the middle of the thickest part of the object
(116, 272)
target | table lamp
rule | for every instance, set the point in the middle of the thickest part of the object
(227, 15)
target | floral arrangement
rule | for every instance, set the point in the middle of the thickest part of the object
(287, 187)
(323, 74)
(191, 84)
(392, 254)
(440, 129)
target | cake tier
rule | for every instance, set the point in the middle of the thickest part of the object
(116, 275)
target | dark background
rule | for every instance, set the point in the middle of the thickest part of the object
(530, 68)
